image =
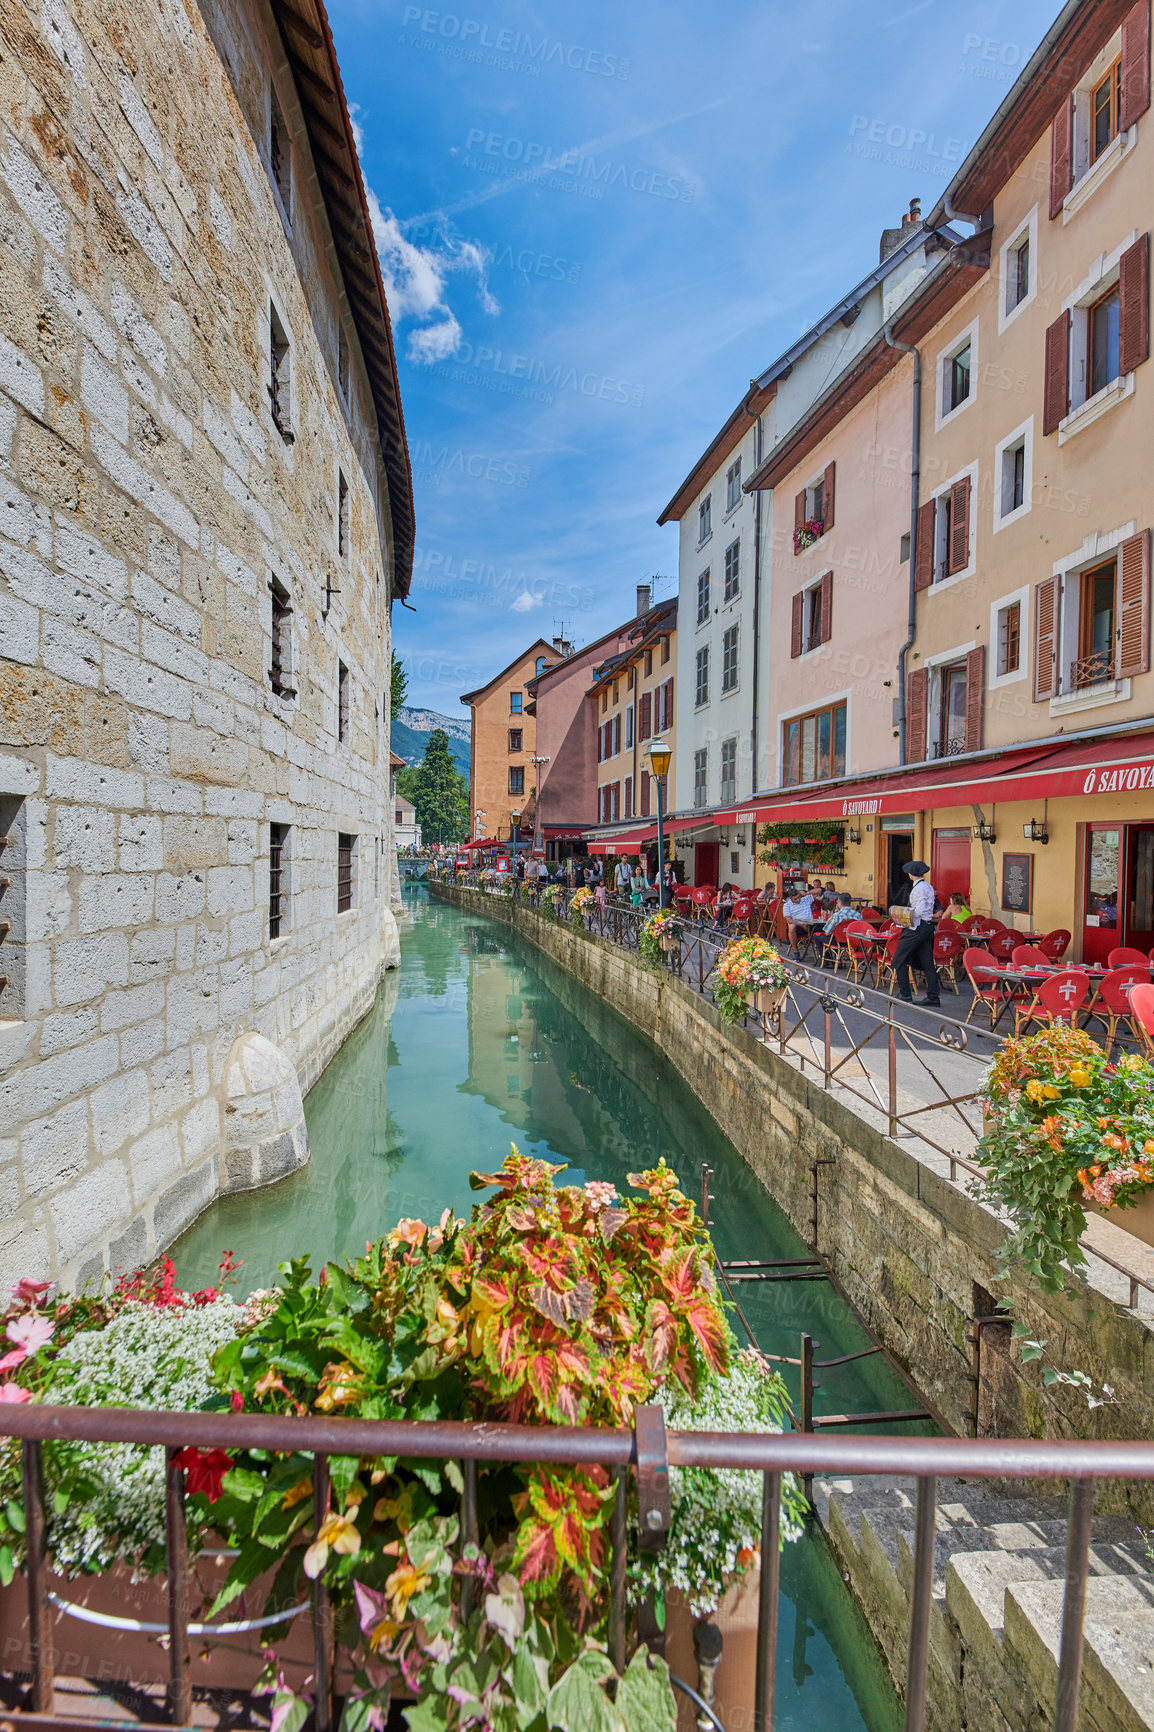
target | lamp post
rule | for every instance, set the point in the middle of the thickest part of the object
(514, 824)
(659, 755)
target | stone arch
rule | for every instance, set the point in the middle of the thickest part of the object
(265, 1136)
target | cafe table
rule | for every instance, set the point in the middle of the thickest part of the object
(1009, 976)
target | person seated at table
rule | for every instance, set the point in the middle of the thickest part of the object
(826, 938)
(830, 897)
(797, 908)
(956, 907)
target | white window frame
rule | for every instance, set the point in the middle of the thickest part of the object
(701, 752)
(940, 493)
(731, 508)
(1089, 177)
(993, 678)
(701, 703)
(1029, 228)
(934, 665)
(1084, 411)
(1022, 435)
(942, 415)
(705, 505)
(735, 630)
(1097, 547)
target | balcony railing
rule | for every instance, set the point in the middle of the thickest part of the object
(647, 1451)
(1091, 670)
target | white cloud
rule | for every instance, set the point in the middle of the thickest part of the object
(524, 601)
(414, 278)
(434, 342)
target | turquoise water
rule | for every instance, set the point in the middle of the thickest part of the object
(479, 1041)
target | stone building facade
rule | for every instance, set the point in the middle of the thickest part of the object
(206, 514)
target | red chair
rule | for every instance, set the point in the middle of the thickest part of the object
(1125, 957)
(887, 974)
(1055, 944)
(987, 990)
(968, 924)
(1027, 956)
(1002, 944)
(873, 915)
(742, 909)
(1142, 1014)
(1112, 1003)
(854, 935)
(703, 897)
(1058, 999)
(949, 946)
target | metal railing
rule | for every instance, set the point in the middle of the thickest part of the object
(648, 1451)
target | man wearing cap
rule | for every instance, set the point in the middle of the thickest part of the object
(916, 945)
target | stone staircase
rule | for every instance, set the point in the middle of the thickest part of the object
(999, 1576)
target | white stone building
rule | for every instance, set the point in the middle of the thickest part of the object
(206, 513)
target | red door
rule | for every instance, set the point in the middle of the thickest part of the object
(705, 857)
(950, 865)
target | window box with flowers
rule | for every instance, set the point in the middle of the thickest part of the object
(806, 533)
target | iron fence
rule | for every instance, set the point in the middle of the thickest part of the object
(647, 1451)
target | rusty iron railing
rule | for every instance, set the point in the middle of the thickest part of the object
(647, 1451)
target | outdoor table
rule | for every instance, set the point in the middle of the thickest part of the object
(1010, 976)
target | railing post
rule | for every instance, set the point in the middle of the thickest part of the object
(618, 1605)
(768, 1594)
(892, 1057)
(706, 1175)
(179, 1663)
(36, 1544)
(805, 1405)
(921, 1604)
(1074, 1604)
(827, 1051)
(322, 1608)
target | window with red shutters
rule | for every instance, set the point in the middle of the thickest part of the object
(797, 626)
(924, 553)
(827, 495)
(668, 721)
(645, 722)
(616, 735)
(1046, 638)
(958, 551)
(916, 703)
(975, 697)
(1056, 383)
(629, 796)
(1134, 305)
(798, 515)
(1135, 64)
(645, 779)
(1134, 606)
(826, 606)
(1061, 155)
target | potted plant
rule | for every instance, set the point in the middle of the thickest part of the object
(807, 533)
(1066, 1131)
(660, 934)
(580, 904)
(750, 976)
(551, 900)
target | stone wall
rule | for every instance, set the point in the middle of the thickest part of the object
(156, 1041)
(913, 1252)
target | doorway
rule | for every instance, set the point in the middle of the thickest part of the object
(705, 857)
(950, 864)
(1118, 904)
(899, 847)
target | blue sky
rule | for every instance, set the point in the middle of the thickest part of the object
(596, 223)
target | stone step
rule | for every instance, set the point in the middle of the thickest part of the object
(976, 1582)
(1013, 1528)
(1118, 1652)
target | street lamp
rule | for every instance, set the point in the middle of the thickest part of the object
(514, 822)
(659, 755)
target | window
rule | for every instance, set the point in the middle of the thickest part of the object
(729, 660)
(1010, 638)
(280, 156)
(664, 707)
(943, 533)
(702, 689)
(277, 879)
(815, 745)
(705, 518)
(1018, 272)
(516, 705)
(540, 666)
(629, 727)
(516, 735)
(700, 772)
(516, 779)
(628, 813)
(956, 385)
(1105, 108)
(1103, 342)
(648, 663)
(664, 651)
(954, 686)
(645, 717)
(280, 663)
(279, 376)
(733, 485)
(616, 692)
(812, 622)
(343, 363)
(813, 509)
(728, 771)
(732, 570)
(342, 701)
(1095, 661)
(813, 618)
(815, 501)
(703, 598)
(631, 679)
(1013, 477)
(346, 855)
(342, 515)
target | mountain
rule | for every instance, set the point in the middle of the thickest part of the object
(410, 735)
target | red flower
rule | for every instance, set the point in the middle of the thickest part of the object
(236, 1401)
(204, 1470)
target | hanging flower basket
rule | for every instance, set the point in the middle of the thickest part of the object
(745, 968)
(767, 1001)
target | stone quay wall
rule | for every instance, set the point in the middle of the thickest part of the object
(913, 1253)
(164, 244)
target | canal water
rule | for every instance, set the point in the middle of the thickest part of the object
(478, 1041)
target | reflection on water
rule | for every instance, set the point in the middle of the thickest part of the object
(478, 1041)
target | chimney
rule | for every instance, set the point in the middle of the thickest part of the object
(559, 645)
(644, 593)
(892, 238)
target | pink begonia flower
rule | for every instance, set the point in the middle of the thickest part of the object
(30, 1291)
(31, 1332)
(12, 1393)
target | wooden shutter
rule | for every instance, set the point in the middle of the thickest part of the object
(827, 495)
(917, 690)
(629, 796)
(1135, 64)
(668, 690)
(1134, 305)
(616, 735)
(924, 551)
(645, 780)
(1061, 155)
(1134, 606)
(1046, 638)
(958, 552)
(796, 624)
(826, 606)
(645, 725)
(975, 697)
(798, 515)
(1056, 401)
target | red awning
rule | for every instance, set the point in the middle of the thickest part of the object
(563, 832)
(1026, 773)
(627, 841)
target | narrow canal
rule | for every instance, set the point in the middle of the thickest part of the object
(478, 1041)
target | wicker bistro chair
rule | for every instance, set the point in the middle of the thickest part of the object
(886, 973)
(1142, 1014)
(1027, 955)
(1055, 944)
(1060, 998)
(1003, 945)
(988, 990)
(855, 935)
(949, 948)
(1126, 956)
(1112, 1004)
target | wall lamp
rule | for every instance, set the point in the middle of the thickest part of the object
(984, 832)
(852, 835)
(1035, 832)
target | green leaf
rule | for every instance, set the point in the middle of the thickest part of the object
(530, 1684)
(359, 1710)
(15, 1514)
(645, 1695)
(7, 1567)
(431, 1715)
(251, 1561)
(578, 1703)
(296, 1713)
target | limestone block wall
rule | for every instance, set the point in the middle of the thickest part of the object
(155, 247)
(907, 1247)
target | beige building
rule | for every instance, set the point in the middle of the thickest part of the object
(502, 745)
(207, 515)
(633, 703)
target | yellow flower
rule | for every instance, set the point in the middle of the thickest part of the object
(1050, 1093)
(1034, 1089)
(338, 1389)
(1080, 1077)
(298, 1492)
(338, 1533)
(404, 1582)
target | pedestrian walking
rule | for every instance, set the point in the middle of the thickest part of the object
(623, 878)
(915, 948)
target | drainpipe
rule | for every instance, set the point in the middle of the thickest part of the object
(958, 216)
(915, 500)
(756, 606)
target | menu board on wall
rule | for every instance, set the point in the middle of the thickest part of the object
(1018, 883)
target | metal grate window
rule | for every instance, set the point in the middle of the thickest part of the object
(345, 846)
(342, 701)
(277, 879)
